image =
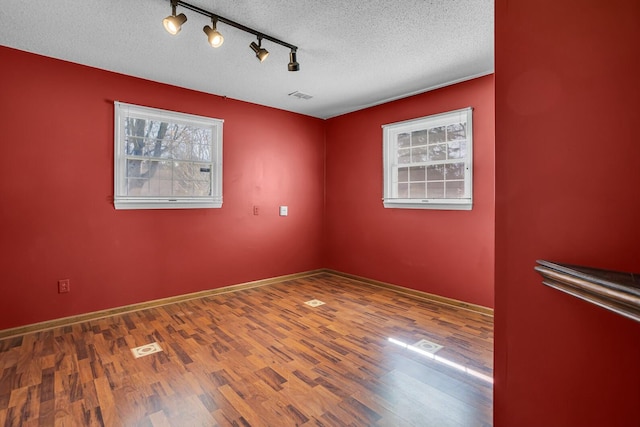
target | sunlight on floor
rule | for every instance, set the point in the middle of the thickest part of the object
(442, 360)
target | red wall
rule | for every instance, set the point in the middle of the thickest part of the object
(57, 219)
(448, 253)
(567, 190)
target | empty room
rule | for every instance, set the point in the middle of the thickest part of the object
(362, 213)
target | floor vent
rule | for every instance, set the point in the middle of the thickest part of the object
(314, 303)
(428, 346)
(145, 350)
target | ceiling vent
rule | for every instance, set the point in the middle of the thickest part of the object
(300, 95)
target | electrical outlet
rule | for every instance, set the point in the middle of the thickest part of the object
(64, 286)
(255, 210)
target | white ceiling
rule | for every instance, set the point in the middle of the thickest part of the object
(352, 54)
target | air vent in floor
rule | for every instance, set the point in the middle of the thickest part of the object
(145, 350)
(314, 303)
(428, 346)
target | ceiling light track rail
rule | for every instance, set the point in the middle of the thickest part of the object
(173, 24)
(235, 24)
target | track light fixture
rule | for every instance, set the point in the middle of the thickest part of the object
(261, 53)
(293, 61)
(215, 38)
(173, 24)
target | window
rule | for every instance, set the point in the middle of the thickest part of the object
(165, 159)
(428, 162)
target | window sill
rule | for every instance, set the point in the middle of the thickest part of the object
(166, 204)
(616, 291)
(462, 205)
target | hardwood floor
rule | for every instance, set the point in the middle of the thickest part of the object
(258, 357)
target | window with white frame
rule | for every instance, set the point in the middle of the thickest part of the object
(428, 162)
(165, 159)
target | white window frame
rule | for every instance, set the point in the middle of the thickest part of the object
(391, 196)
(124, 201)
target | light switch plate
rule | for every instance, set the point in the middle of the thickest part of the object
(284, 210)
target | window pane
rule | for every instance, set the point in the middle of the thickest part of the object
(201, 188)
(198, 135)
(457, 150)
(160, 180)
(163, 170)
(404, 140)
(417, 173)
(419, 137)
(160, 187)
(191, 171)
(201, 152)
(156, 149)
(403, 191)
(168, 141)
(129, 146)
(134, 136)
(148, 178)
(456, 131)
(435, 173)
(454, 171)
(179, 150)
(419, 154)
(137, 187)
(403, 174)
(455, 189)
(417, 190)
(438, 152)
(404, 156)
(435, 190)
(182, 187)
(137, 168)
(437, 135)
(146, 136)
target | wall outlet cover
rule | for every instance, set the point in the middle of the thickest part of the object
(64, 286)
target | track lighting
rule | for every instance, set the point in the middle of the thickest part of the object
(261, 53)
(173, 24)
(293, 61)
(215, 38)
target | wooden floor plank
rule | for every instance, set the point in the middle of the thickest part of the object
(258, 357)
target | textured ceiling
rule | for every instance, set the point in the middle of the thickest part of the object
(352, 54)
